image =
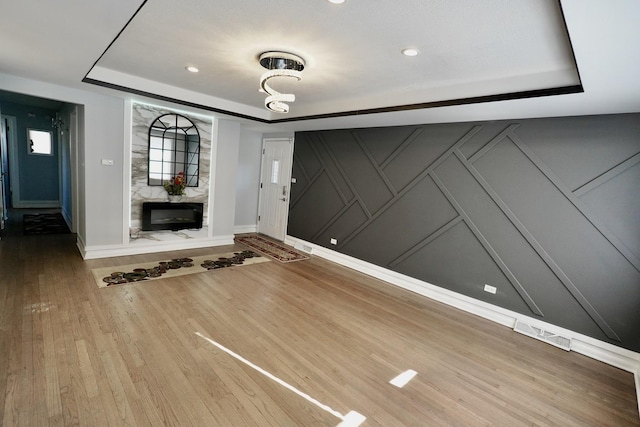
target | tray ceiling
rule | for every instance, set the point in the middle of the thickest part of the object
(352, 51)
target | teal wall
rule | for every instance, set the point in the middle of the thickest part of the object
(38, 175)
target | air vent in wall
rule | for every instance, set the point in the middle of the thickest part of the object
(542, 335)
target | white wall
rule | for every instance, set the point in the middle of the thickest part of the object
(104, 131)
(101, 201)
(248, 178)
(101, 135)
(225, 147)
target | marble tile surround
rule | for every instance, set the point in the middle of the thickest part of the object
(142, 117)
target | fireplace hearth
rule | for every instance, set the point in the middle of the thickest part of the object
(171, 216)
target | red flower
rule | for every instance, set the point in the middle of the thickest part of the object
(176, 184)
(179, 179)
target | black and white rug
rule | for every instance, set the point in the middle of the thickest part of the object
(44, 223)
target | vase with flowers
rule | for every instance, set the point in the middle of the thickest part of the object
(175, 187)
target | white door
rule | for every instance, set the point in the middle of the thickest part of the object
(275, 183)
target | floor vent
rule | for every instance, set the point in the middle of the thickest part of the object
(303, 248)
(542, 335)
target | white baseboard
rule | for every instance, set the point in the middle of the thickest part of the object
(81, 246)
(243, 229)
(599, 350)
(35, 204)
(108, 251)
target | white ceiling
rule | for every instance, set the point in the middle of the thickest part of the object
(352, 52)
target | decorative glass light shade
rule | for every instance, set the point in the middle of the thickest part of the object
(279, 64)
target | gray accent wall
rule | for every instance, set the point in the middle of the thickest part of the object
(546, 210)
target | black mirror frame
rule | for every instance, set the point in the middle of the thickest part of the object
(191, 177)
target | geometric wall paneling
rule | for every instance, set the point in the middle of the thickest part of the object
(423, 210)
(302, 181)
(578, 149)
(455, 259)
(383, 142)
(311, 213)
(333, 168)
(343, 225)
(621, 214)
(550, 224)
(607, 271)
(464, 204)
(356, 167)
(407, 162)
(578, 247)
(585, 212)
(491, 131)
(491, 227)
(310, 163)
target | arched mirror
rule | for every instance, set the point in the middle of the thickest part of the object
(174, 147)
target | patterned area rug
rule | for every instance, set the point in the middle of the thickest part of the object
(44, 223)
(275, 250)
(120, 275)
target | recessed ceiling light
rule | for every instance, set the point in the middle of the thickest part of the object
(410, 51)
(191, 69)
(336, 1)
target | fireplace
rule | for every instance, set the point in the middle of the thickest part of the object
(171, 216)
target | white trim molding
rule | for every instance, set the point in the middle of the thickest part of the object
(107, 251)
(37, 204)
(599, 350)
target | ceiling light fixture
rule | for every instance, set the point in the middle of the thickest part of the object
(279, 64)
(336, 1)
(410, 51)
(191, 69)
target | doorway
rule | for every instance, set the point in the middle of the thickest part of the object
(4, 174)
(275, 187)
(27, 183)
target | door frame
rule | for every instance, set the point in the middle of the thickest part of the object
(12, 146)
(288, 175)
(4, 174)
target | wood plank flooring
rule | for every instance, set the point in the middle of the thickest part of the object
(74, 354)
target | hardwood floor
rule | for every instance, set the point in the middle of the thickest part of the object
(74, 354)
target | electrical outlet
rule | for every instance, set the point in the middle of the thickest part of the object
(334, 241)
(490, 289)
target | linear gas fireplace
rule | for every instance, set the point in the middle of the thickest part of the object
(171, 216)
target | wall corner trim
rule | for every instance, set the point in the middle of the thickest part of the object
(599, 350)
(81, 246)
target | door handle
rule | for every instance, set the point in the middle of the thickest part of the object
(284, 190)
(284, 199)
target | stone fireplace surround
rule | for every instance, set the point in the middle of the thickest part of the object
(143, 116)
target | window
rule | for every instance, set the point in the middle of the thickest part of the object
(40, 142)
(275, 171)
